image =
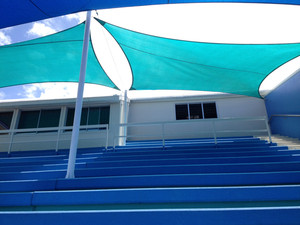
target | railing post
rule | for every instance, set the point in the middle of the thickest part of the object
(268, 130)
(57, 139)
(106, 145)
(114, 136)
(163, 134)
(11, 142)
(215, 133)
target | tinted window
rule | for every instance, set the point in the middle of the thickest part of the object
(49, 118)
(5, 120)
(29, 119)
(182, 112)
(90, 116)
(195, 111)
(210, 110)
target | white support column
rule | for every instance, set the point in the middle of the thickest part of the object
(13, 125)
(79, 100)
(125, 115)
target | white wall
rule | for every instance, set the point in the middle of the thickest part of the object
(163, 109)
(140, 111)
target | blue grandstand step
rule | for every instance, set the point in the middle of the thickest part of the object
(154, 170)
(165, 180)
(197, 145)
(184, 161)
(228, 216)
(147, 151)
(169, 155)
(277, 193)
(31, 158)
(48, 166)
(152, 195)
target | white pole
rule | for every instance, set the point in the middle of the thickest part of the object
(125, 116)
(78, 108)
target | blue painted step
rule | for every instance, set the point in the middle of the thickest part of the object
(152, 195)
(228, 216)
(154, 170)
(147, 181)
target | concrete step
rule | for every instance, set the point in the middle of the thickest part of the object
(292, 143)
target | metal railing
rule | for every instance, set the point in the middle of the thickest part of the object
(50, 130)
(283, 115)
(214, 132)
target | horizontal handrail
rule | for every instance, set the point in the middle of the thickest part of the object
(30, 130)
(284, 115)
(211, 132)
(58, 130)
(195, 121)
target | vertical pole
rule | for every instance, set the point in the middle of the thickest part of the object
(215, 132)
(125, 116)
(57, 140)
(11, 142)
(78, 108)
(268, 130)
(13, 126)
(106, 144)
(163, 135)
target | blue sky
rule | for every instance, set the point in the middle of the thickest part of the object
(207, 22)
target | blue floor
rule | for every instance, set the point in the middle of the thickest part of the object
(238, 181)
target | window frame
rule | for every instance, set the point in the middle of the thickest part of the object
(69, 121)
(40, 111)
(202, 110)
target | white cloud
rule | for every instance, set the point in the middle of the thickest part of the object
(78, 17)
(4, 39)
(41, 29)
(63, 90)
(30, 91)
(2, 95)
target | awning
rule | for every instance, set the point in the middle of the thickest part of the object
(167, 64)
(54, 58)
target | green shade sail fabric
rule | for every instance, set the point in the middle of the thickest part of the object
(156, 63)
(168, 64)
(54, 58)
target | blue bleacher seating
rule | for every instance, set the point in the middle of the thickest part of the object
(238, 181)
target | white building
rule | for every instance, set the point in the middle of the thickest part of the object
(45, 124)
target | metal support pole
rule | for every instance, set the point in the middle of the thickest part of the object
(106, 144)
(125, 116)
(79, 100)
(11, 142)
(215, 132)
(163, 135)
(57, 140)
(268, 130)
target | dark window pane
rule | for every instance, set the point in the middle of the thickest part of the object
(210, 110)
(104, 115)
(29, 119)
(84, 115)
(70, 117)
(90, 116)
(94, 116)
(49, 118)
(195, 111)
(5, 120)
(181, 112)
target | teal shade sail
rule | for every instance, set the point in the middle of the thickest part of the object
(54, 58)
(168, 64)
